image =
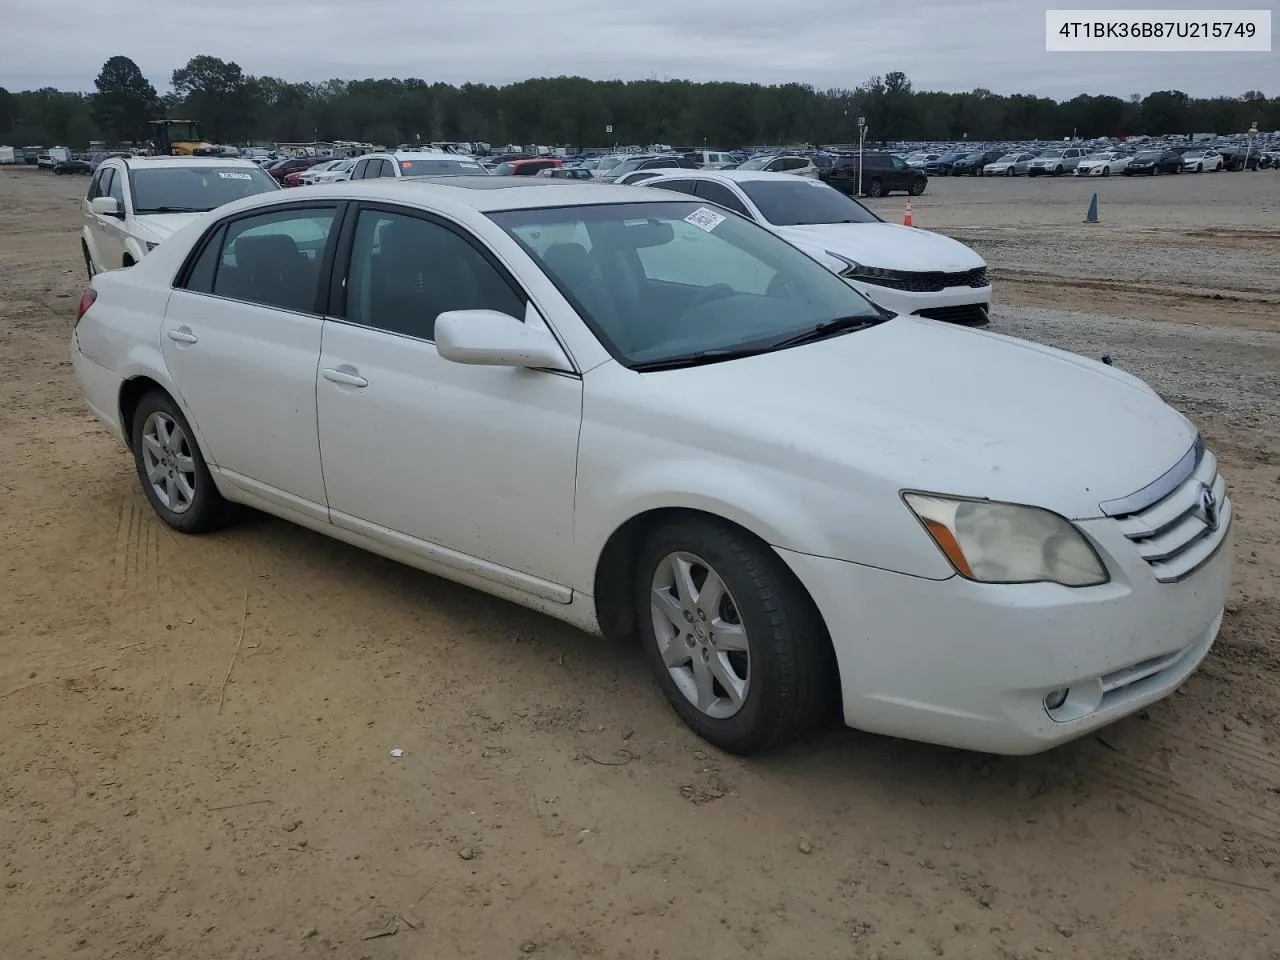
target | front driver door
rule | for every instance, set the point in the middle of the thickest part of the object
(472, 467)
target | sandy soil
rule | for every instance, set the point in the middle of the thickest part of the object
(547, 801)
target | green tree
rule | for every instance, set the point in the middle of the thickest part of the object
(217, 93)
(125, 100)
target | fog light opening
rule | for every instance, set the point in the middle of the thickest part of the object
(1056, 698)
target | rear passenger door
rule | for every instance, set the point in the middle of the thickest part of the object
(241, 339)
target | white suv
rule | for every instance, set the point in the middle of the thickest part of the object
(416, 163)
(135, 202)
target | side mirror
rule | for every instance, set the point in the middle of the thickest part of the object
(105, 206)
(493, 339)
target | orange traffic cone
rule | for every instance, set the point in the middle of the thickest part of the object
(906, 220)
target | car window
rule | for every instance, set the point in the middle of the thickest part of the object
(719, 193)
(200, 276)
(274, 259)
(679, 186)
(406, 271)
(665, 281)
(898, 163)
(115, 188)
(95, 185)
(357, 172)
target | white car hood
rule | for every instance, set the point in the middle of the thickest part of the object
(918, 404)
(885, 245)
(161, 226)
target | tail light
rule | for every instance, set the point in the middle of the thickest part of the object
(85, 303)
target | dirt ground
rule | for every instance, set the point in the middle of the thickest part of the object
(547, 802)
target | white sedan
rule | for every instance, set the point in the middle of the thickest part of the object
(328, 171)
(1102, 164)
(644, 415)
(1199, 161)
(903, 269)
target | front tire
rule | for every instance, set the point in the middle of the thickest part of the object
(174, 476)
(735, 643)
(875, 188)
(916, 188)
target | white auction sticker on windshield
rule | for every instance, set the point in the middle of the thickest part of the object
(234, 176)
(705, 219)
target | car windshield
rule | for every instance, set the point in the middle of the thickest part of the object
(973, 156)
(755, 163)
(678, 283)
(796, 200)
(1052, 155)
(1009, 158)
(1149, 155)
(181, 189)
(440, 167)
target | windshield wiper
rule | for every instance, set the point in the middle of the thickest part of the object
(699, 358)
(148, 210)
(829, 328)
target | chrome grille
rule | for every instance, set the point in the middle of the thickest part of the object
(1179, 529)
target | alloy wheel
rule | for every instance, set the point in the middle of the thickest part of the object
(700, 634)
(167, 460)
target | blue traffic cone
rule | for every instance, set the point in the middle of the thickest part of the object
(1092, 216)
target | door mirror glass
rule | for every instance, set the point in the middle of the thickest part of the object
(493, 339)
(105, 206)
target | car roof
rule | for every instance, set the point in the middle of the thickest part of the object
(424, 155)
(481, 194)
(146, 163)
(736, 176)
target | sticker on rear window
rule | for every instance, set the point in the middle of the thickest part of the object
(234, 176)
(705, 219)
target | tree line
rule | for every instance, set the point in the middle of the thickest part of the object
(234, 107)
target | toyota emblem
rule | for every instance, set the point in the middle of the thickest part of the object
(1208, 507)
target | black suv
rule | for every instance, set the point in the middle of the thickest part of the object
(882, 173)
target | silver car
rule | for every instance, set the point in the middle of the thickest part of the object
(1056, 162)
(1010, 165)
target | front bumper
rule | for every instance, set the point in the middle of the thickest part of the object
(969, 665)
(939, 306)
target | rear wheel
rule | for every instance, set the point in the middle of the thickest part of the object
(171, 468)
(734, 641)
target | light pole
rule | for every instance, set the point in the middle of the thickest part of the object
(1253, 135)
(862, 136)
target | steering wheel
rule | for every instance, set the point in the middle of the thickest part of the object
(717, 291)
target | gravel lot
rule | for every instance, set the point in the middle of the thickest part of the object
(547, 801)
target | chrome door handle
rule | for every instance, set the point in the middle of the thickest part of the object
(183, 335)
(346, 376)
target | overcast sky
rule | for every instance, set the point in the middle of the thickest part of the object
(997, 44)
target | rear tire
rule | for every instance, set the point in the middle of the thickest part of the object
(735, 642)
(171, 468)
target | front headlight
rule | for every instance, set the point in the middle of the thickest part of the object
(1006, 542)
